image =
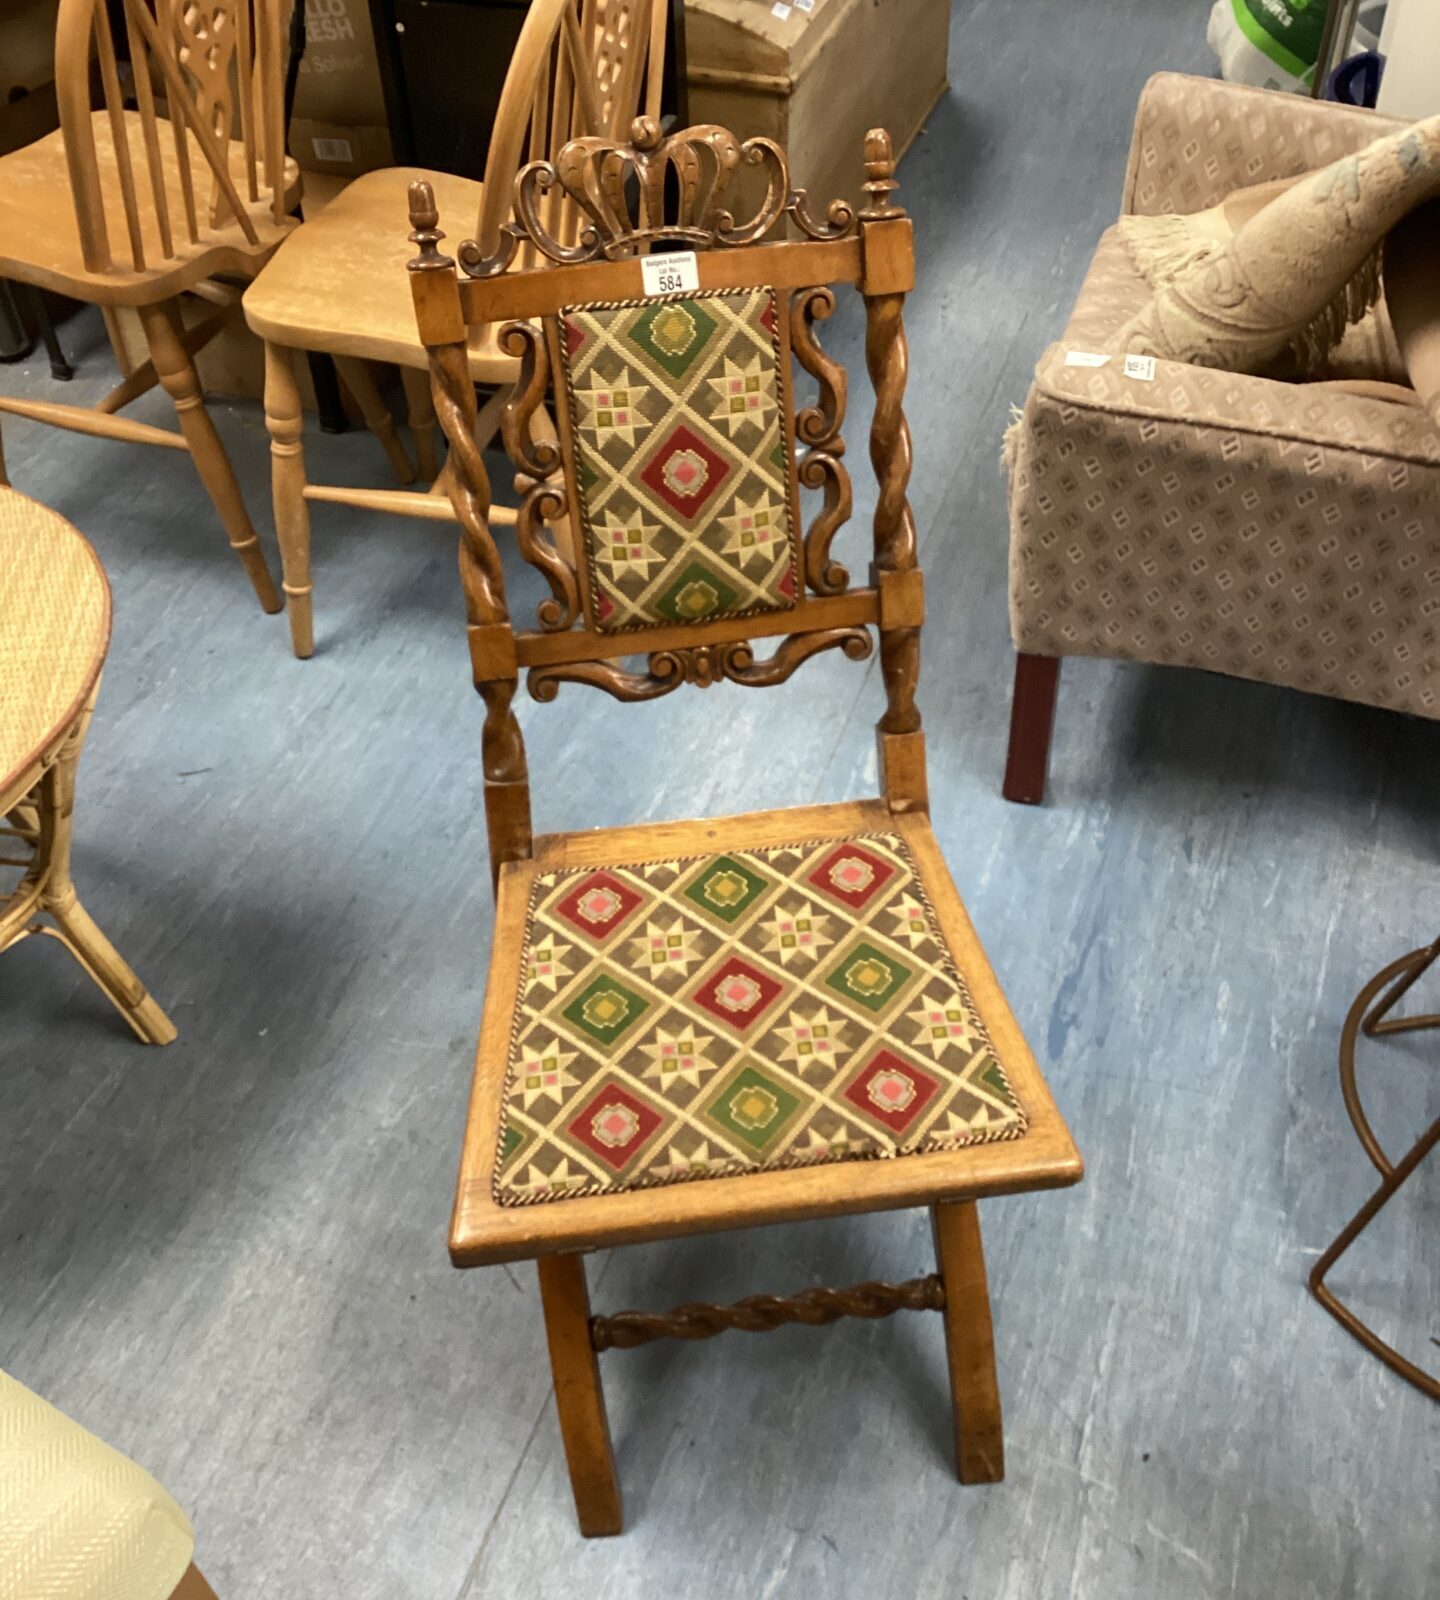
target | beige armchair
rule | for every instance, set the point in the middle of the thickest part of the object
(1284, 532)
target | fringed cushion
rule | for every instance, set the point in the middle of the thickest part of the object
(734, 1013)
(679, 415)
(78, 1521)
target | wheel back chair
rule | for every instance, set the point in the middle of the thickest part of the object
(1286, 532)
(79, 1521)
(580, 66)
(724, 1023)
(54, 632)
(131, 207)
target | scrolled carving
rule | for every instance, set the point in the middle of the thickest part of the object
(538, 457)
(547, 502)
(702, 664)
(818, 469)
(818, 425)
(653, 189)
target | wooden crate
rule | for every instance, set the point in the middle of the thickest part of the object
(816, 80)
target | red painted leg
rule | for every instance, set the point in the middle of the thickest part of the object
(1032, 716)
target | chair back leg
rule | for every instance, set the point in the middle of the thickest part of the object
(969, 1343)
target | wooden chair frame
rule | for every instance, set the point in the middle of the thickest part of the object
(575, 70)
(147, 228)
(873, 251)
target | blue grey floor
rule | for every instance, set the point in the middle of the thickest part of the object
(228, 1257)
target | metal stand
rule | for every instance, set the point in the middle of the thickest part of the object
(1390, 984)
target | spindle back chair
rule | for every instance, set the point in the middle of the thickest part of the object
(579, 66)
(132, 206)
(724, 1023)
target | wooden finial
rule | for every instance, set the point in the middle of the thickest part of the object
(425, 229)
(880, 181)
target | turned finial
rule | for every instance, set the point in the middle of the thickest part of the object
(880, 181)
(425, 229)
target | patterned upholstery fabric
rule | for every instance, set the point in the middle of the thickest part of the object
(78, 1521)
(733, 1013)
(1269, 530)
(681, 426)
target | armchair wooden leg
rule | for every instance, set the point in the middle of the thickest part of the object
(192, 1586)
(421, 408)
(177, 372)
(579, 1399)
(969, 1343)
(1032, 717)
(356, 376)
(285, 420)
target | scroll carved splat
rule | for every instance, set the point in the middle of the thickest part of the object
(653, 189)
(818, 427)
(701, 665)
(545, 498)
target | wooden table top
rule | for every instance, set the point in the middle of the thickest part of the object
(54, 630)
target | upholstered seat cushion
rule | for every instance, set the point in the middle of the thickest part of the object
(78, 1521)
(1280, 531)
(738, 1011)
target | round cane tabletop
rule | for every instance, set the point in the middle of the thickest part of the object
(54, 630)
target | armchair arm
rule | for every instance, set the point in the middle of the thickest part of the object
(1197, 139)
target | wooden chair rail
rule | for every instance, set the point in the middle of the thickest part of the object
(546, 291)
(762, 1313)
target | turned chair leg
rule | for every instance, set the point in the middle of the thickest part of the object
(74, 927)
(420, 406)
(285, 420)
(579, 1399)
(969, 1343)
(1032, 716)
(192, 1586)
(177, 373)
(358, 379)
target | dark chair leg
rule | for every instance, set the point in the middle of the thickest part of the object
(1032, 716)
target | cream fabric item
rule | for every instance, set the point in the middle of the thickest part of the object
(78, 1521)
(1268, 281)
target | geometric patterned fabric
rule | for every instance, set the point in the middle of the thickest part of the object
(736, 1013)
(682, 456)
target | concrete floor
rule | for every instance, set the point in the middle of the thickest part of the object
(228, 1257)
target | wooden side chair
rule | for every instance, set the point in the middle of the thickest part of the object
(717, 1024)
(580, 66)
(54, 632)
(130, 208)
(80, 1521)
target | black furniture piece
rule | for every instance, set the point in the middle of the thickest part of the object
(443, 64)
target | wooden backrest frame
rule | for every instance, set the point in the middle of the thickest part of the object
(221, 62)
(576, 70)
(874, 251)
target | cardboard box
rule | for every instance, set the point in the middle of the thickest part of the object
(816, 80)
(339, 125)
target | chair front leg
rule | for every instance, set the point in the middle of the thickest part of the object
(969, 1343)
(177, 373)
(192, 1586)
(285, 421)
(579, 1399)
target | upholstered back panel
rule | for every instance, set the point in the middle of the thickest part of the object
(680, 433)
